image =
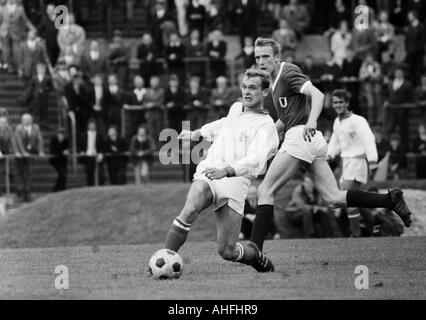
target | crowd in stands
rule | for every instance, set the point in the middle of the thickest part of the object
(183, 71)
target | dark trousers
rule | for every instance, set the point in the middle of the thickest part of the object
(23, 176)
(155, 123)
(61, 180)
(116, 172)
(397, 117)
(415, 62)
(90, 168)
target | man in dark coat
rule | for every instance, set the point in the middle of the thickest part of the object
(59, 149)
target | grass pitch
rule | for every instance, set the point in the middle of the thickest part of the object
(305, 269)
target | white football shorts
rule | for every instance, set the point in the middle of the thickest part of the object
(354, 169)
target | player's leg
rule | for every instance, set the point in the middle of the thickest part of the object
(282, 169)
(228, 223)
(354, 215)
(199, 198)
(326, 184)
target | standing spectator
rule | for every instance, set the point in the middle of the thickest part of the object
(311, 69)
(29, 141)
(7, 138)
(385, 33)
(420, 96)
(382, 144)
(142, 148)
(32, 52)
(340, 42)
(98, 110)
(94, 61)
(286, 37)
(114, 100)
(197, 103)
(371, 76)
(175, 53)
(147, 56)
(92, 149)
(397, 159)
(154, 114)
(174, 100)
(297, 16)
(220, 99)
(118, 56)
(182, 22)
(350, 77)
(13, 31)
(70, 58)
(115, 157)
(161, 24)
(418, 6)
(216, 51)
(196, 17)
(194, 48)
(247, 54)
(419, 147)
(415, 39)
(137, 98)
(48, 31)
(339, 12)
(364, 40)
(71, 35)
(59, 149)
(400, 91)
(214, 19)
(246, 12)
(399, 14)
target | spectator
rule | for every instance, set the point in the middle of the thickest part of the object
(118, 56)
(385, 33)
(137, 98)
(312, 69)
(92, 149)
(370, 76)
(216, 51)
(7, 139)
(116, 159)
(247, 54)
(94, 61)
(382, 144)
(154, 113)
(37, 94)
(32, 52)
(350, 77)
(307, 209)
(48, 31)
(174, 100)
(399, 14)
(72, 35)
(415, 39)
(29, 141)
(400, 91)
(182, 22)
(195, 49)
(196, 103)
(161, 23)
(338, 13)
(214, 18)
(246, 14)
(420, 93)
(397, 159)
(60, 150)
(419, 147)
(364, 40)
(286, 37)
(142, 148)
(297, 16)
(147, 56)
(13, 31)
(389, 65)
(175, 53)
(114, 100)
(70, 58)
(220, 100)
(98, 110)
(340, 42)
(196, 17)
(418, 6)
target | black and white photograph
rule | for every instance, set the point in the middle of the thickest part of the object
(212, 155)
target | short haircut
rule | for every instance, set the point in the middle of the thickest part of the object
(263, 75)
(268, 42)
(342, 94)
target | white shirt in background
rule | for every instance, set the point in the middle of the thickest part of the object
(91, 143)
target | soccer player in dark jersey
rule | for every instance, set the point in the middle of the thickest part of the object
(303, 147)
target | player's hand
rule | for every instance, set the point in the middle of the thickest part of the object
(215, 174)
(309, 131)
(185, 135)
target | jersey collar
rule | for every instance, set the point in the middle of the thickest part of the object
(278, 76)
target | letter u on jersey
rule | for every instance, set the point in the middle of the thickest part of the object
(283, 102)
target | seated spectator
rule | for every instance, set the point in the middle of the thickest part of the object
(175, 53)
(72, 35)
(397, 158)
(196, 103)
(195, 49)
(91, 149)
(48, 31)
(370, 76)
(115, 157)
(118, 56)
(94, 61)
(142, 148)
(174, 101)
(247, 55)
(196, 17)
(29, 142)
(216, 51)
(98, 110)
(147, 56)
(154, 112)
(419, 147)
(60, 150)
(286, 37)
(137, 98)
(340, 43)
(400, 91)
(114, 100)
(385, 33)
(308, 210)
(297, 16)
(220, 99)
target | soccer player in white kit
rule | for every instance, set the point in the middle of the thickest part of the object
(243, 142)
(354, 141)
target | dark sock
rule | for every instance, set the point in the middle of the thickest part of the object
(176, 236)
(262, 224)
(246, 255)
(362, 199)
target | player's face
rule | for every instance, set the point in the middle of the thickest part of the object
(339, 105)
(265, 58)
(252, 92)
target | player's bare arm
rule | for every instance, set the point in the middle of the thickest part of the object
(317, 98)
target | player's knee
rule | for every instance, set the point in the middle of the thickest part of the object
(189, 213)
(264, 192)
(227, 252)
(334, 199)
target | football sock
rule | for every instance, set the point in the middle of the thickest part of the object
(355, 221)
(245, 255)
(262, 224)
(362, 199)
(177, 234)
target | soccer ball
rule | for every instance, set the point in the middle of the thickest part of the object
(165, 264)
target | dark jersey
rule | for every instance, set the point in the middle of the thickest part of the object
(291, 105)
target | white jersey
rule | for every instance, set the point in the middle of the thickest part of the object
(244, 141)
